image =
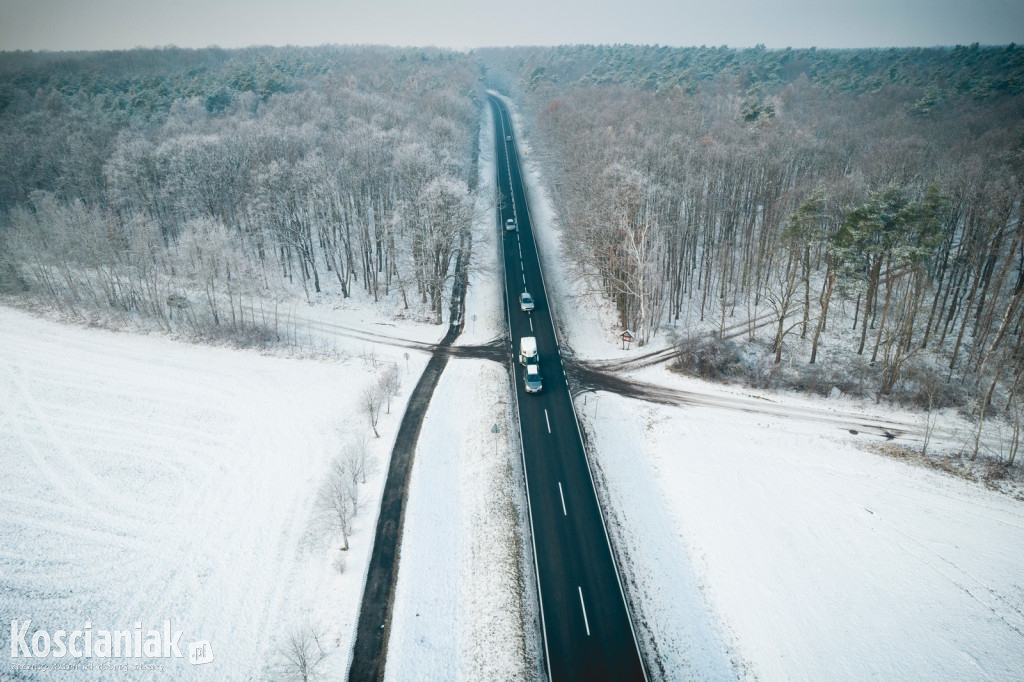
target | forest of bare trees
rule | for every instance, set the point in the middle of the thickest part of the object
(863, 206)
(834, 219)
(199, 190)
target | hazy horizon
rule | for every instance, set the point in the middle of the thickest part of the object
(71, 25)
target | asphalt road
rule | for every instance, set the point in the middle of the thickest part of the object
(588, 634)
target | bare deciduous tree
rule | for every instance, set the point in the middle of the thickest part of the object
(369, 403)
(302, 655)
(229, 205)
(338, 500)
(390, 382)
(358, 462)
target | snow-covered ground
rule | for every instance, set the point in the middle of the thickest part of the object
(815, 559)
(459, 600)
(465, 603)
(771, 544)
(147, 480)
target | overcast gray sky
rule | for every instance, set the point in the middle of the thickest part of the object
(119, 24)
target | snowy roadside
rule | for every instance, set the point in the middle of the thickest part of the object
(154, 481)
(681, 637)
(459, 611)
(818, 560)
(585, 322)
(465, 602)
(769, 545)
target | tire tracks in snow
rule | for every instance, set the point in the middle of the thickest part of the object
(585, 378)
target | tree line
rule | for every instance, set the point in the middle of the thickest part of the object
(198, 189)
(869, 206)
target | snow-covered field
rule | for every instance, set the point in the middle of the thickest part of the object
(814, 559)
(772, 544)
(147, 480)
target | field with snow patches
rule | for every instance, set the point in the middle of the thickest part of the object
(147, 480)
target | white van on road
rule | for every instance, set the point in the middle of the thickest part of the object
(528, 351)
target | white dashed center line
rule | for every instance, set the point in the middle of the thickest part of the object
(584, 606)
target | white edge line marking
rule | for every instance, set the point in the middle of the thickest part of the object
(546, 418)
(522, 453)
(590, 473)
(564, 512)
(584, 607)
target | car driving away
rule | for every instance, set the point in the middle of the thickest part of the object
(534, 384)
(526, 302)
(510, 224)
